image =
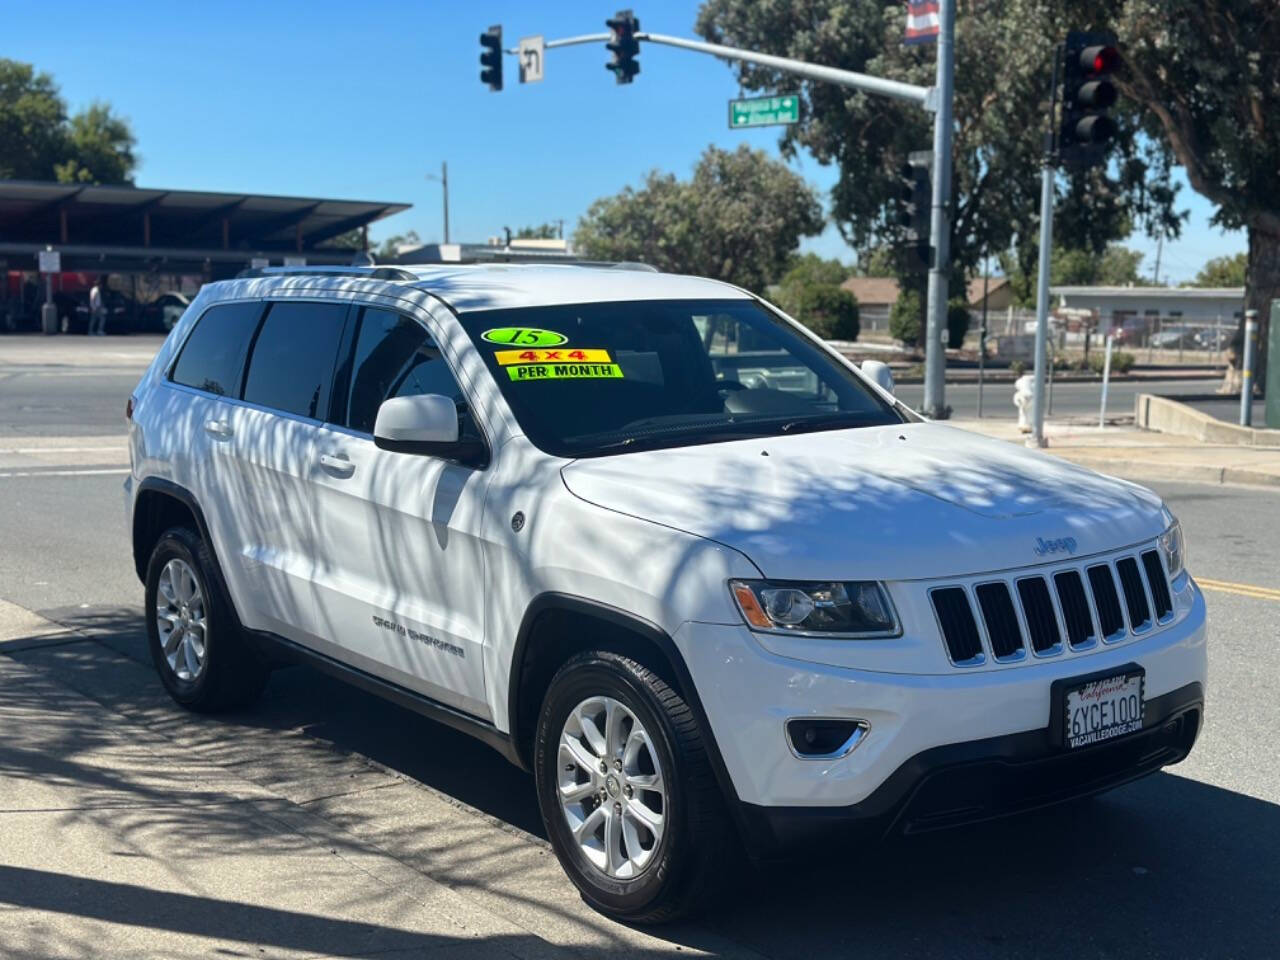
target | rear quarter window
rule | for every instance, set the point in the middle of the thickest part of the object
(213, 356)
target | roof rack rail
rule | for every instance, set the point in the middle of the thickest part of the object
(366, 273)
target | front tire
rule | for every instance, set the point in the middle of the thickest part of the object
(195, 638)
(627, 793)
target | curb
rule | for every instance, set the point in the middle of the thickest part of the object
(1181, 472)
(1166, 415)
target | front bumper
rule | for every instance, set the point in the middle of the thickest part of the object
(982, 735)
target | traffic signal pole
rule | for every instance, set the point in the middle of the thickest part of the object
(935, 357)
(936, 99)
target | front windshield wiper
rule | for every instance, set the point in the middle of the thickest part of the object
(675, 440)
(830, 422)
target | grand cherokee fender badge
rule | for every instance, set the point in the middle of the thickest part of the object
(1045, 547)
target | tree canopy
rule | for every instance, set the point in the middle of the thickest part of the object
(999, 117)
(810, 291)
(38, 141)
(739, 219)
(543, 231)
(1223, 272)
(1116, 266)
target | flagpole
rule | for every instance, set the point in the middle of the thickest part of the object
(935, 357)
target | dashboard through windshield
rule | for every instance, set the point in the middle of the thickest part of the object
(593, 379)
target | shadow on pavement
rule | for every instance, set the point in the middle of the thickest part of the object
(1167, 867)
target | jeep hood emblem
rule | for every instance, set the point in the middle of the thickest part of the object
(1045, 547)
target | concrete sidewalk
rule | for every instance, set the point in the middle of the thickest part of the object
(1144, 455)
(129, 828)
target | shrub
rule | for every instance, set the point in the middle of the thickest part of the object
(1121, 362)
(904, 318)
(829, 311)
(1017, 368)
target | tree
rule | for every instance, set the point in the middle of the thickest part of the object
(391, 246)
(1003, 56)
(1209, 78)
(904, 317)
(543, 231)
(739, 219)
(811, 292)
(39, 142)
(1116, 266)
(1223, 272)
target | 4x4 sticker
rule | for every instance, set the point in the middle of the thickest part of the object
(564, 371)
(506, 358)
(524, 337)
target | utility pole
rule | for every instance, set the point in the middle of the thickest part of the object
(444, 185)
(935, 357)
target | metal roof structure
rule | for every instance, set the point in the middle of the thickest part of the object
(123, 227)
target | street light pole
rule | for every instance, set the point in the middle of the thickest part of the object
(935, 357)
(444, 185)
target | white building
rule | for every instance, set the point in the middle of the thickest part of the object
(1154, 307)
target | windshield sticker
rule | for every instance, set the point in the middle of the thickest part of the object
(524, 337)
(564, 371)
(506, 358)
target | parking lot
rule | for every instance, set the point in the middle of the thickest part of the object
(327, 822)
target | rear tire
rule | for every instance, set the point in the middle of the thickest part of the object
(653, 840)
(196, 641)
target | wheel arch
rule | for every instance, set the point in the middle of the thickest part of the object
(158, 505)
(555, 626)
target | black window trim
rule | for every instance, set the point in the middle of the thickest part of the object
(346, 357)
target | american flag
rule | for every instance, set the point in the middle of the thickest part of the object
(922, 22)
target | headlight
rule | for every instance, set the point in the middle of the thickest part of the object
(1175, 554)
(856, 609)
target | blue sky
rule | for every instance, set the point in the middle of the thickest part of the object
(362, 100)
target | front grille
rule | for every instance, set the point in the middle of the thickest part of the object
(1105, 598)
(1001, 619)
(1037, 607)
(1075, 609)
(1159, 587)
(1135, 597)
(1112, 600)
(959, 629)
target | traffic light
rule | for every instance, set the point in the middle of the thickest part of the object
(913, 207)
(1087, 95)
(623, 45)
(491, 58)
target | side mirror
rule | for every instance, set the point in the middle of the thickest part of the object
(879, 373)
(426, 424)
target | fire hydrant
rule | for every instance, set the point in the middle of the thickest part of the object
(1022, 399)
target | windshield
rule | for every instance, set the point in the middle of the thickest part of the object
(601, 378)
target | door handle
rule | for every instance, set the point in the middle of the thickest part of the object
(219, 429)
(337, 464)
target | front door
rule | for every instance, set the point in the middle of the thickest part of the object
(399, 580)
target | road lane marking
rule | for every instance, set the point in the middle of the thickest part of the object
(62, 473)
(1240, 589)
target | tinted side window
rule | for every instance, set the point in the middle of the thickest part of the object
(213, 355)
(395, 357)
(291, 367)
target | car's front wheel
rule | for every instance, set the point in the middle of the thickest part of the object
(626, 791)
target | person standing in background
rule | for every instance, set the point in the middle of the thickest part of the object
(98, 308)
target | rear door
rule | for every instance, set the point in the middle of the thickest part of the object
(271, 462)
(399, 581)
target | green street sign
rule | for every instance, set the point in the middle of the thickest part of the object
(764, 111)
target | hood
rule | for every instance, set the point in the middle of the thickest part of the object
(900, 502)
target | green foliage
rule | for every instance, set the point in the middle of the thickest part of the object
(1223, 272)
(1003, 51)
(1121, 361)
(1017, 368)
(904, 317)
(811, 292)
(958, 318)
(390, 247)
(739, 219)
(1115, 266)
(828, 310)
(543, 231)
(39, 142)
(880, 261)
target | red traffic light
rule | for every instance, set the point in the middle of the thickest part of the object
(1099, 59)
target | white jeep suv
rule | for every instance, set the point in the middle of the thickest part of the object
(655, 542)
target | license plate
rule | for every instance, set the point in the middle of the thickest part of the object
(1098, 709)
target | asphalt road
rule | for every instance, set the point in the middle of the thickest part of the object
(1180, 864)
